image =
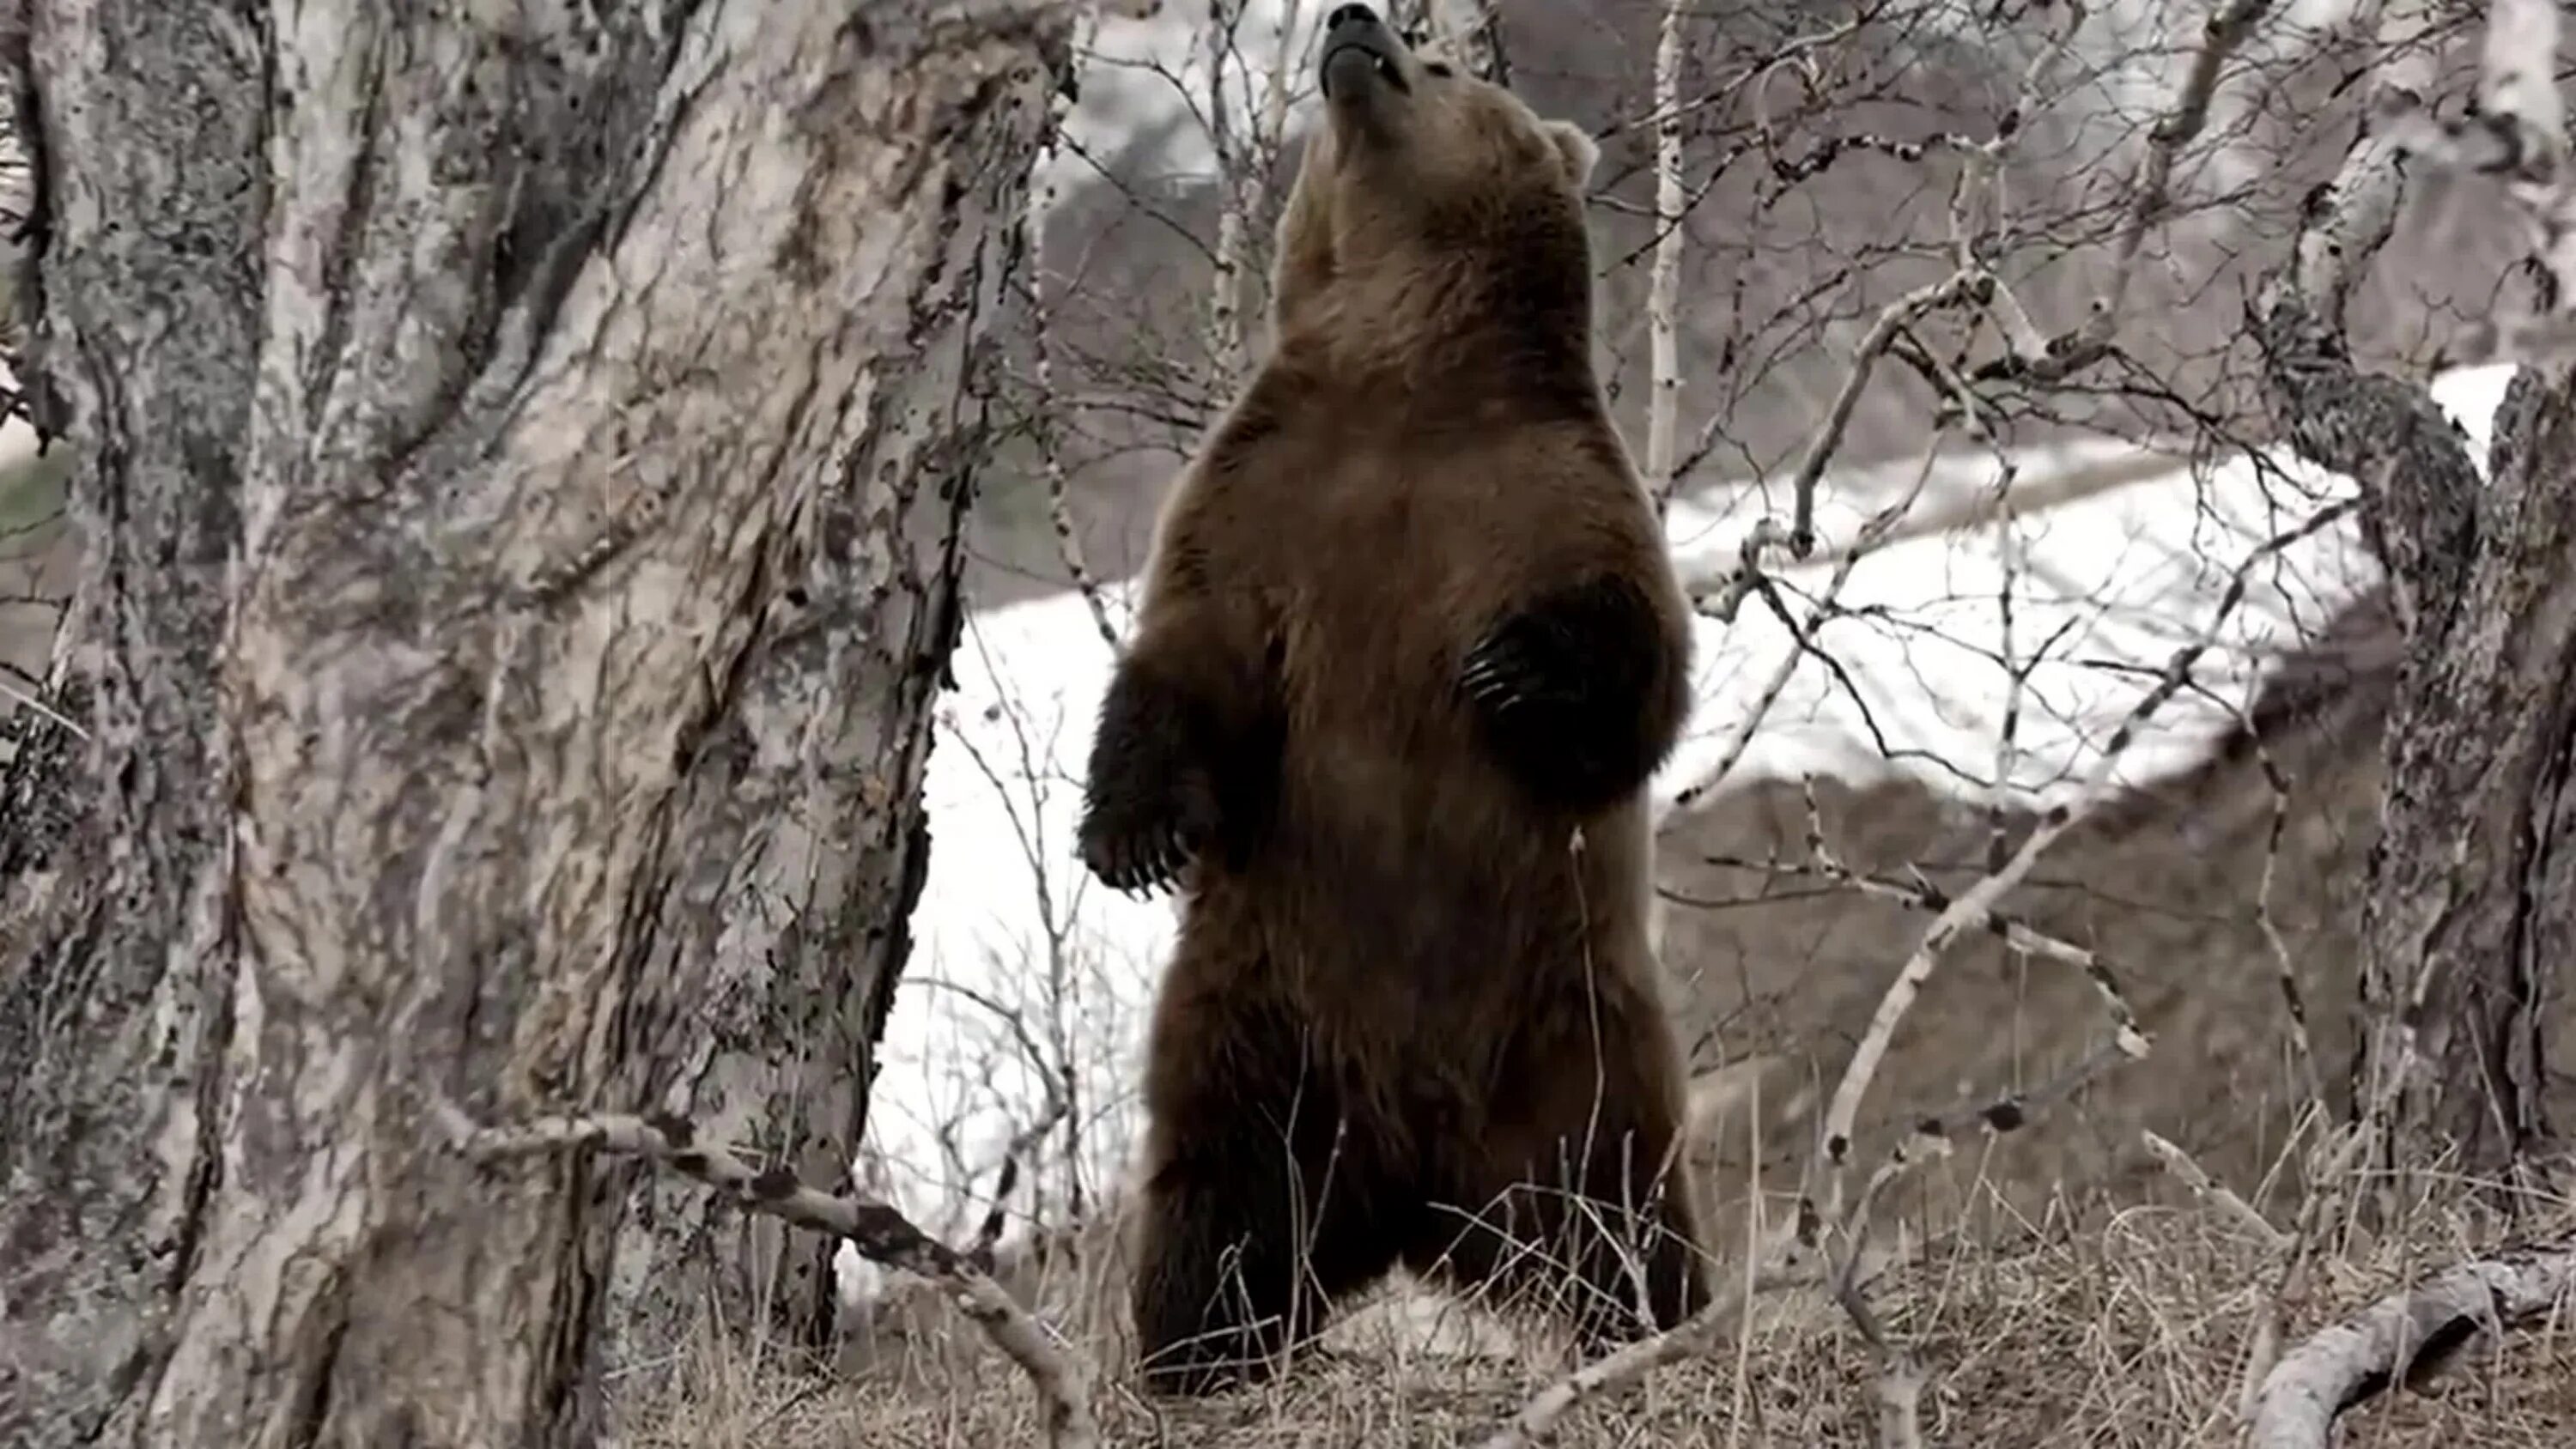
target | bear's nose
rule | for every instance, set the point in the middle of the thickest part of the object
(1349, 15)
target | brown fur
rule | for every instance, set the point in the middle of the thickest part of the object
(1409, 631)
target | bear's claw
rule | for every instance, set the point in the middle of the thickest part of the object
(1144, 848)
(1510, 668)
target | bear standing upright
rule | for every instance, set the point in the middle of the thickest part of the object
(1409, 650)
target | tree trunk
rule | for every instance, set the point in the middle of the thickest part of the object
(2472, 895)
(522, 455)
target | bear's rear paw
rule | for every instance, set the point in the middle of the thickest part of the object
(1141, 844)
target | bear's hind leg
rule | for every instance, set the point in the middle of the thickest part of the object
(1257, 1214)
(1573, 1211)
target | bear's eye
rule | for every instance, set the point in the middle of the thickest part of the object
(1439, 69)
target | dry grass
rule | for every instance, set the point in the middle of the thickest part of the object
(2109, 1327)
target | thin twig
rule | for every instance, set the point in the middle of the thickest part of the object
(1050, 406)
(1724, 600)
(2179, 1163)
(1897, 315)
(1921, 894)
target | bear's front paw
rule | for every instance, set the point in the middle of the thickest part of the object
(1519, 664)
(1140, 843)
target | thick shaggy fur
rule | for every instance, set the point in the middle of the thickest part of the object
(1410, 648)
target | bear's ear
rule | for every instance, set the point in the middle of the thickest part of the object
(1580, 151)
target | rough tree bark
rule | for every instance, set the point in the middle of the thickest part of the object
(2472, 898)
(2471, 902)
(523, 449)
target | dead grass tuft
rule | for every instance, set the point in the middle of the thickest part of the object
(2119, 1326)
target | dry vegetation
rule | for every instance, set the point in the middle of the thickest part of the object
(2094, 1324)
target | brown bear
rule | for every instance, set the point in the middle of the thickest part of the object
(1409, 649)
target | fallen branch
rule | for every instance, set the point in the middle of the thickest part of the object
(2403, 1335)
(880, 1233)
(1689, 1338)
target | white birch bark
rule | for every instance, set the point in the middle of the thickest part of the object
(1663, 290)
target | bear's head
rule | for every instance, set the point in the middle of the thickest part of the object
(1431, 206)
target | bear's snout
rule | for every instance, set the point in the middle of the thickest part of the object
(1359, 49)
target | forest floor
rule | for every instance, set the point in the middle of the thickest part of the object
(2129, 1332)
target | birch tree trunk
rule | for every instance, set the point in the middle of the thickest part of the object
(2471, 904)
(523, 449)
(2472, 900)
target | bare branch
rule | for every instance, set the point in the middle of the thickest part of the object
(2518, 132)
(2150, 199)
(2353, 217)
(881, 1235)
(1972, 283)
(1723, 601)
(2518, 99)
(1978, 901)
(2294, 1005)
(2151, 195)
(1903, 312)
(1921, 894)
(36, 702)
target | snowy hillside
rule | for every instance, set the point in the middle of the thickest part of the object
(2106, 589)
